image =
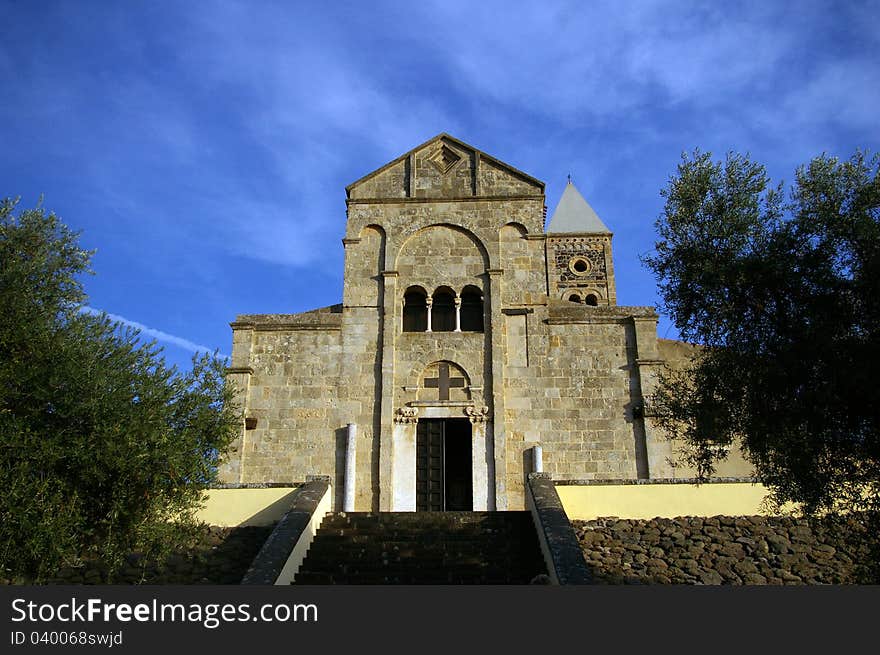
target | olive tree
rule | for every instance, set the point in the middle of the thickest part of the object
(103, 448)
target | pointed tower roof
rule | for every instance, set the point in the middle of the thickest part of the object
(573, 214)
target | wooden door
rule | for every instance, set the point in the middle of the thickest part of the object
(430, 455)
(444, 465)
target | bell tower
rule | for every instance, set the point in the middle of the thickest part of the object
(579, 266)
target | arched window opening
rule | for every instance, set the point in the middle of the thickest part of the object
(471, 309)
(591, 300)
(415, 310)
(443, 310)
(574, 298)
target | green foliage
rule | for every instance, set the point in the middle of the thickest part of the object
(103, 449)
(783, 293)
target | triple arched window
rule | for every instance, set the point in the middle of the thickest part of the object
(443, 311)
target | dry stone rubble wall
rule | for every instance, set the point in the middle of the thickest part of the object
(720, 550)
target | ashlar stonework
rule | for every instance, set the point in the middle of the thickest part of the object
(469, 332)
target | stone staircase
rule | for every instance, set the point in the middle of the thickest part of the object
(439, 548)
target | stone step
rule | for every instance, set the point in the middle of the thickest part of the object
(423, 548)
(429, 536)
(449, 578)
(507, 559)
(415, 567)
(424, 519)
(406, 552)
(424, 576)
(439, 532)
(355, 535)
(427, 572)
(335, 559)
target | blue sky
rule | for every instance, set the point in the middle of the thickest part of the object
(203, 147)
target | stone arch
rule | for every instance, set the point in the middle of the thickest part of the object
(443, 307)
(582, 296)
(512, 229)
(375, 227)
(442, 254)
(472, 309)
(415, 309)
(443, 380)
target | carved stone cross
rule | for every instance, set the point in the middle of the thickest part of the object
(443, 382)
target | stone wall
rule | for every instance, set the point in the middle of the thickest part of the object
(305, 377)
(570, 398)
(677, 355)
(720, 550)
(292, 400)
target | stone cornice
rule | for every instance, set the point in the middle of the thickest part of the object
(650, 481)
(392, 201)
(325, 318)
(579, 235)
(287, 327)
(563, 313)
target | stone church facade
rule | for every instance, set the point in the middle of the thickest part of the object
(469, 332)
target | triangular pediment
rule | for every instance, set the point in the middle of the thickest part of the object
(444, 168)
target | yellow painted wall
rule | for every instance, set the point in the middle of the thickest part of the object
(241, 507)
(647, 501)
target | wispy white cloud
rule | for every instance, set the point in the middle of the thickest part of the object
(260, 110)
(320, 102)
(205, 153)
(158, 335)
(842, 92)
(327, 92)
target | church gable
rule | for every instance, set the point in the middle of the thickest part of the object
(499, 179)
(444, 168)
(390, 181)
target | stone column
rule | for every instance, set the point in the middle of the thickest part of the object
(390, 321)
(609, 272)
(232, 467)
(404, 438)
(350, 469)
(480, 458)
(457, 313)
(495, 390)
(429, 301)
(537, 458)
(646, 369)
